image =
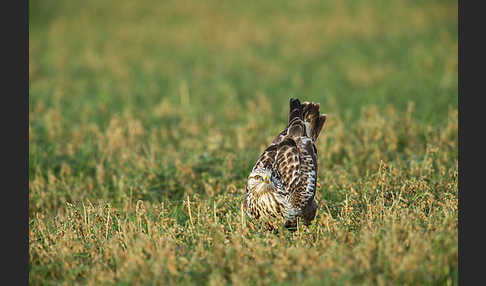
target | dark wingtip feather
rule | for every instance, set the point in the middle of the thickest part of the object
(295, 109)
(294, 103)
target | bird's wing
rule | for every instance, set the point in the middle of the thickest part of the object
(306, 188)
(287, 163)
(267, 158)
(296, 163)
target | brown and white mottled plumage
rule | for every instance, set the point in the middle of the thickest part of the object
(282, 184)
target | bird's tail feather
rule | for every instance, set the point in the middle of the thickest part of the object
(312, 118)
(309, 113)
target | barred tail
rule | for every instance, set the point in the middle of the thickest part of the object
(314, 121)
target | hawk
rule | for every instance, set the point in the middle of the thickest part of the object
(282, 184)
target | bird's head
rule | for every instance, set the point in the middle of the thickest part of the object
(259, 180)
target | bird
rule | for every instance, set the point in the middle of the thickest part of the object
(282, 184)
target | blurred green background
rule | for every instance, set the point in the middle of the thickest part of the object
(96, 58)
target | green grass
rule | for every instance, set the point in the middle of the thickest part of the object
(145, 119)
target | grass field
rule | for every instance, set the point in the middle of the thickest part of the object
(145, 118)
